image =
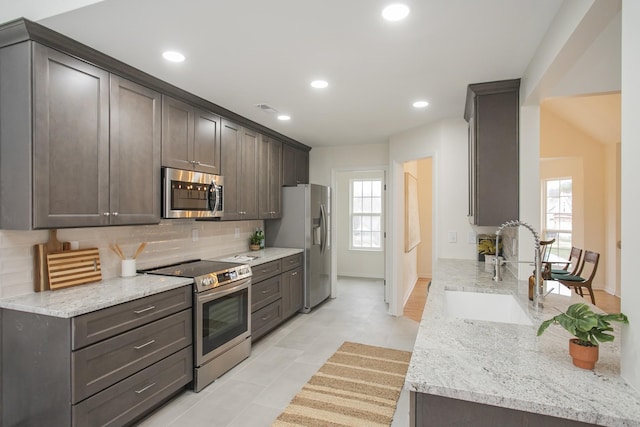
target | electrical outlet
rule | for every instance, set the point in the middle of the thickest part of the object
(453, 236)
(471, 237)
(237, 233)
(194, 235)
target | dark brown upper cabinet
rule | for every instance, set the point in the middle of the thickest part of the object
(240, 170)
(295, 165)
(92, 157)
(492, 111)
(270, 178)
(190, 137)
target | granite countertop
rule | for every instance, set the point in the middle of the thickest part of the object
(262, 256)
(507, 365)
(84, 299)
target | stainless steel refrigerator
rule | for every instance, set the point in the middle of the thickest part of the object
(305, 224)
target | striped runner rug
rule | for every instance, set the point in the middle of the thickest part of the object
(358, 386)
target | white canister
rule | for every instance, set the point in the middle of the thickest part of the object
(128, 267)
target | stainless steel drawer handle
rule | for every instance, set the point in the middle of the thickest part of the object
(295, 273)
(144, 309)
(143, 389)
(266, 318)
(138, 347)
(264, 292)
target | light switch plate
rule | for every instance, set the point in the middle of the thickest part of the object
(471, 237)
(453, 236)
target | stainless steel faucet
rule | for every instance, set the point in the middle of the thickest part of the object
(538, 295)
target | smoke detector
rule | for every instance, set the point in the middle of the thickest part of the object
(266, 108)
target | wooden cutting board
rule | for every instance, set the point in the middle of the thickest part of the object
(71, 268)
(40, 251)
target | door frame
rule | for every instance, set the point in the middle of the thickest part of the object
(334, 210)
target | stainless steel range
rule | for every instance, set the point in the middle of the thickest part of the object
(222, 315)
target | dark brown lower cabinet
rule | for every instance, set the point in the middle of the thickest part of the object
(276, 293)
(431, 410)
(108, 367)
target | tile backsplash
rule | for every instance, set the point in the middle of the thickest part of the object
(170, 241)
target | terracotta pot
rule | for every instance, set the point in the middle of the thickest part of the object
(254, 247)
(584, 357)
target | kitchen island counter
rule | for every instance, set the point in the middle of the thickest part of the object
(506, 365)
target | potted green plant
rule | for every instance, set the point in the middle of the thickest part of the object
(254, 240)
(589, 330)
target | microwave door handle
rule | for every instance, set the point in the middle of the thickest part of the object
(212, 197)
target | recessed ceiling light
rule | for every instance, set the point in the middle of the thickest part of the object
(395, 12)
(173, 56)
(319, 84)
(284, 117)
(420, 104)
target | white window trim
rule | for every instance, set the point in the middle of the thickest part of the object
(380, 215)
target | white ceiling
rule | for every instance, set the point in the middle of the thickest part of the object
(244, 52)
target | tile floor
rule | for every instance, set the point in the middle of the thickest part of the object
(255, 392)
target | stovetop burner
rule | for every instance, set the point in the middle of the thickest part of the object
(206, 274)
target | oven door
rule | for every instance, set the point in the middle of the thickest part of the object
(222, 319)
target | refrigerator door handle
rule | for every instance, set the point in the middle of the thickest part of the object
(323, 226)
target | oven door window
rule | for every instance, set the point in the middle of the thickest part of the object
(223, 319)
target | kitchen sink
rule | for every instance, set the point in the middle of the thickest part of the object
(490, 307)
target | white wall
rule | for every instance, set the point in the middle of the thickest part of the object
(354, 263)
(446, 143)
(630, 290)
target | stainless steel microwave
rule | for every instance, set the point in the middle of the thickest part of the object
(189, 194)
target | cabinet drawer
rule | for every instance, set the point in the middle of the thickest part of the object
(98, 325)
(132, 397)
(291, 262)
(266, 270)
(265, 292)
(101, 365)
(265, 319)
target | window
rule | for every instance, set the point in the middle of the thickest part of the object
(558, 214)
(366, 214)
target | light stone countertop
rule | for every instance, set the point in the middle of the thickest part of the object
(507, 365)
(77, 300)
(262, 256)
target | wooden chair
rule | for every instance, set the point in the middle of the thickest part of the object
(577, 281)
(574, 260)
(545, 249)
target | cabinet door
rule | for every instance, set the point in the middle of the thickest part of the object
(248, 179)
(135, 153)
(302, 167)
(206, 144)
(295, 166)
(292, 292)
(270, 180)
(231, 141)
(177, 134)
(71, 141)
